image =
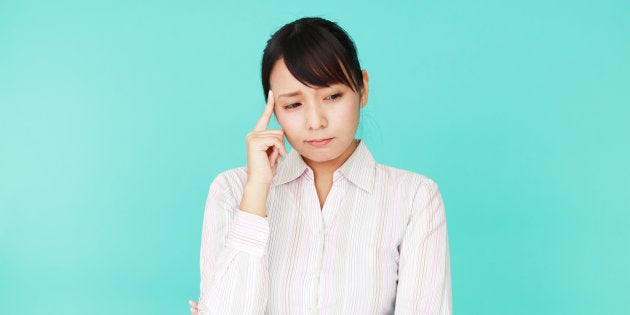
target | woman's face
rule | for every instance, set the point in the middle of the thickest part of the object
(319, 122)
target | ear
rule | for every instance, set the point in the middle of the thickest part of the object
(364, 92)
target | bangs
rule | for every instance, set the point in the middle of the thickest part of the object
(317, 59)
(317, 52)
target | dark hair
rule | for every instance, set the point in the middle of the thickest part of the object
(316, 51)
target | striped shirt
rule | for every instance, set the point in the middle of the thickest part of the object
(379, 245)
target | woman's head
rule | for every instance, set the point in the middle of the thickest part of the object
(311, 66)
(316, 51)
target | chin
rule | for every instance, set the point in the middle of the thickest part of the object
(320, 155)
(315, 156)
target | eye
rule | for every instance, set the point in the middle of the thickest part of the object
(292, 106)
(333, 97)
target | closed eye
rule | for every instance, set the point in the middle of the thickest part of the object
(292, 106)
(332, 97)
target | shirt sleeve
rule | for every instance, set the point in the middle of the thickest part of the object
(424, 278)
(233, 258)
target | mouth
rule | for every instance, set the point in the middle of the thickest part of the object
(319, 142)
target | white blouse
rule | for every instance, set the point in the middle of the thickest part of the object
(378, 246)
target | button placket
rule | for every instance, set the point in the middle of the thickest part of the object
(314, 265)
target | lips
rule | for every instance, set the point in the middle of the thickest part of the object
(319, 142)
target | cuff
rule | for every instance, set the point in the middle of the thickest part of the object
(249, 233)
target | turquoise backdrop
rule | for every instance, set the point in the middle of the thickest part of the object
(115, 116)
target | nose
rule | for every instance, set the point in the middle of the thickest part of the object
(316, 118)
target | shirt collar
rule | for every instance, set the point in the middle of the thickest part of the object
(358, 169)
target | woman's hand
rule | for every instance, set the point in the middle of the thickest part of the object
(265, 148)
(194, 307)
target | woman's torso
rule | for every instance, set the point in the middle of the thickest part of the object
(342, 258)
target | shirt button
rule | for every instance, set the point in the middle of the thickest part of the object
(260, 236)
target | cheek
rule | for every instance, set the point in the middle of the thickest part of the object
(288, 124)
(347, 115)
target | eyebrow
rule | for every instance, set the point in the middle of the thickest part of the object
(290, 94)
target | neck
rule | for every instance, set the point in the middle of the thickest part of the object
(327, 168)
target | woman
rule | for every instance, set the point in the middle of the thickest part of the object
(327, 229)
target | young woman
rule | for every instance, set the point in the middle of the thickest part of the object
(327, 230)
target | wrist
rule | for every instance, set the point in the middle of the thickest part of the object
(255, 198)
(257, 185)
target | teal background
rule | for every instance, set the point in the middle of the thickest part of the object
(115, 116)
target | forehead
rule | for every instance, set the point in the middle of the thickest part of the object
(281, 78)
(282, 81)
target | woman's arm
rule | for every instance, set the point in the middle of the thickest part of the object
(234, 264)
(233, 260)
(424, 278)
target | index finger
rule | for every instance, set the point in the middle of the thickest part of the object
(263, 122)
